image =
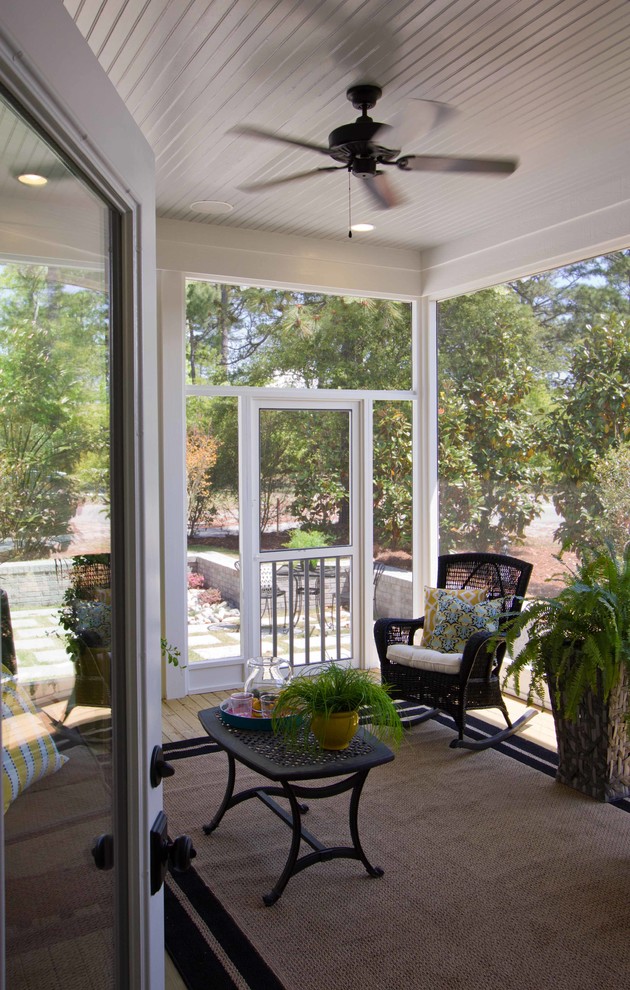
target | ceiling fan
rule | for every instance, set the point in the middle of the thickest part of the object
(360, 149)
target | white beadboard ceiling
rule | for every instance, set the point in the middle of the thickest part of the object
(543, 81)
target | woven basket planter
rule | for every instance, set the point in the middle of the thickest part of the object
(594, 750)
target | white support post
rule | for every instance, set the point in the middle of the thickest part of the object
(174, 584)
(249, 522)
(425, 458)
(365, 542)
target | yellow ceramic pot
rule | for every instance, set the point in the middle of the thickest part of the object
(335, 731)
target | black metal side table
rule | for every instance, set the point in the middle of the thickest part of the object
(269, 755)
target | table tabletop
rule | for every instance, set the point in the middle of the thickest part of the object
(280, 759)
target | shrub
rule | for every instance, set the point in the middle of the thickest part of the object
(196, 580)
(212, 596)
(305, 539)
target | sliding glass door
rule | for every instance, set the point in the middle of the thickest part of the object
(77, 449)
(58, 594)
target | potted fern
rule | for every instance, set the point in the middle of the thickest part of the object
(580, 643)
(331, 703)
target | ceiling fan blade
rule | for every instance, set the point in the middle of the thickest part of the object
(257, 132)
(270, 183)
(418, 118)
(382, 192)
(440, 163)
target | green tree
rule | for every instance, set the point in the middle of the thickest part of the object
(338, 342)
(201, 456)
(392, 475)
(264, 337)
(305, 462)
(591, 417)
(567, 300)
(226, 325)
(488, 393)
(54, 377)
(613, 491)
(40, 435)
(461, 497)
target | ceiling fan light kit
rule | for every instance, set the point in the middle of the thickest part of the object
(360, 149)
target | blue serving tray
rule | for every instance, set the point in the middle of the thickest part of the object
(242, 722)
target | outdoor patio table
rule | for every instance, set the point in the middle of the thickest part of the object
(271, 756)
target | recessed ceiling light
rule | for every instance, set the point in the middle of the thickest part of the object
(362, 226)
(211, 206)
(32, 179)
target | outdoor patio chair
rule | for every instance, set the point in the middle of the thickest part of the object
(270, 592)
(344, 596)
(302, 575)
(457, 665)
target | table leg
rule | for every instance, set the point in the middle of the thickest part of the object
(321, 853)
(374, 871)
(296, 838)
(229, 790)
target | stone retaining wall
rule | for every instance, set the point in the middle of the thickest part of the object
(219, 572)
(393, 597)
(35, 583)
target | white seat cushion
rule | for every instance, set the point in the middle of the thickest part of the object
(418, 656)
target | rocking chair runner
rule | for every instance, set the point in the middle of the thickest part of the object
(456, 683)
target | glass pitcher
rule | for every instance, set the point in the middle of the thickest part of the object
(266, 675)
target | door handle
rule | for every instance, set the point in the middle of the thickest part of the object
(159, 768)
(103, 852)
(177, 853)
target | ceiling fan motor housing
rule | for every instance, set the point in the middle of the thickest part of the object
(354, 141)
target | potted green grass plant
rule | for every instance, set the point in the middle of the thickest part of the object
(330, 704)
(579, 642)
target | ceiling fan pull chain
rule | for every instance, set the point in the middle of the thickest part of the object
(349, 205)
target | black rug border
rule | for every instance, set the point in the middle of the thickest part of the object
(197, 964)
(242, 953)
(184, 748)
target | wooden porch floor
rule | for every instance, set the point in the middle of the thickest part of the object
(180, 719)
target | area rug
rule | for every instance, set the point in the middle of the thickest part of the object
(496, 877)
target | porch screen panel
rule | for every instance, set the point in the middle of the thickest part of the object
(276, 338)
(212, 527)
(392, 509)
(534, 418)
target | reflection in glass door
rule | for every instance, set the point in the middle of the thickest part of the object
(305, 578)
(55, 568)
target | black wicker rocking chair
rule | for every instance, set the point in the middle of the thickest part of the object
(473, 683)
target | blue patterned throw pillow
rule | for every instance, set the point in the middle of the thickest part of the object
(456, 620)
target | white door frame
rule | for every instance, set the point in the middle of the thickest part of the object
(49, 68)
(360, 545)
